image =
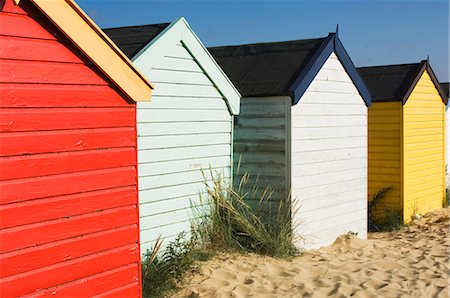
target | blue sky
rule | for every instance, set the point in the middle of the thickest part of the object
(373, 32)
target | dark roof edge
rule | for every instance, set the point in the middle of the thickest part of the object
(136, 26)
(332, 43)
(425, 66)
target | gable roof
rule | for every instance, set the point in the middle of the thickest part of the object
(283, 68)
(71, 20)
(132, 39)
(145, 55)
(396, 82)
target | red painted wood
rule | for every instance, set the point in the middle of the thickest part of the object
(63, 118)
(70, 193)
(59, 96)
(94, 284)
(11, 7)
(12, 71)
(65, 140)
(46, 277)
(65, 206)
(23, 26)
(57, 185)
(35, 49)
(54, 230)
(24, 260)
(130, 290)
(65, 162)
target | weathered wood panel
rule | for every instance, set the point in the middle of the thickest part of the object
(185, 130)
(69, 221)
(260, 143)
(329, 158)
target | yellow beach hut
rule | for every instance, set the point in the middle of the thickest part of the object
(406, 136)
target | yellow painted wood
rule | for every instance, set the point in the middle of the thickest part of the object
(91, 40)
(423, 149)
(385, 151)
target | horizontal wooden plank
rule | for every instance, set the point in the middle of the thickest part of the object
(23, 26)
(175, 191)
(17, 238)
(245, 122)
(328, 144)
(94, 284)
(322, 133)
(20, 119)
(266, 146)
(178, 77)
(171, 115)
(39, 96)
(259, 134)
(172, 141)
(157, 155)
(299, 158)
(130, 290)
(338, 189)
(184, 103)
(333, 75)
(329, 109)
(300, 171)
(24, 260)
(277, 158)
(172, 63)
(66, 206)
(21, 143)
(65, 162)
(172, 179)
(178, 52)
(274, 109)
(16, 71)
(173, 90)
(327, 121)
(56, 185)
(325, 97)
(70, 270)
(179, 128)
(183, 165)
(36, 50)
(333, 86)
(153, 221)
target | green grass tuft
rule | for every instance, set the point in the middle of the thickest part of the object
(391, 219)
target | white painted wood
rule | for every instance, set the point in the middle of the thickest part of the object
(184, 133)
(329, 158)
(167, 44)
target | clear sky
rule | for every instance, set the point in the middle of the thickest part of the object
(373, 32)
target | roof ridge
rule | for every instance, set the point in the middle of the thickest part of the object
(390, 65)
(137, 26)
(267, 43)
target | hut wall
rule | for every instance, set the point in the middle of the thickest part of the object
(184, 130)
(68, 182)
(424, 149)
(329, 158)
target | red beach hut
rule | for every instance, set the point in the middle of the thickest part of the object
(69, 222)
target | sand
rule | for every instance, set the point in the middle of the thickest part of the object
(412, 262)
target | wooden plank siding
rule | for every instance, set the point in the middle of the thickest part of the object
(68, 181)
(385, 152)
(424, 149)
(185, 129)
(329, 158)
(260, 145)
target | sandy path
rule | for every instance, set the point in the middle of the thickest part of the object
(413, 262)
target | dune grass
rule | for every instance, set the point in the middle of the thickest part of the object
(226, 219)
(390, 220)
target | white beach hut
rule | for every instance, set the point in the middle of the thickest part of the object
(187, 127)
(303, 129)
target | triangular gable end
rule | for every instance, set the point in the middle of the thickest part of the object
(425, 66)
(73, 22)
(180, 31)
(329, 45)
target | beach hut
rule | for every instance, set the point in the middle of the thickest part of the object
(406, 137)
(69, 223)
(302, 130)
(185, 130)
